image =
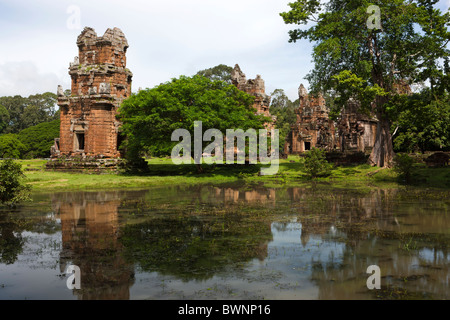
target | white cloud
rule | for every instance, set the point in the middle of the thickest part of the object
(167, 38)
(24, 78)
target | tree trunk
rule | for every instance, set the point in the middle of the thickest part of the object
(383, 150)
(199, 168)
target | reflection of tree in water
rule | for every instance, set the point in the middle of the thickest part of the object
(375, 229)
(11, 241)
(195, 247)
(90, 225)
(197, 232)
(404, 274)
(13, 222)
(322, 209)
(189, 247)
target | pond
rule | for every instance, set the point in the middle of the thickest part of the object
(228, 242)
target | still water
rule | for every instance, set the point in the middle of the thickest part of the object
(228, 242)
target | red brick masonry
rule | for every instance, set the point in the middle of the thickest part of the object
(100, 82)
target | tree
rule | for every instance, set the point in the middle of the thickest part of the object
(27, 112)
(15, 106)
(370, 63)
(11, 146)
(280, 100)
(403, 166)
(151, 116)
(46, 103)
(4, 119)
(219, 72)
(283, 108)
(31, 116)
(12, 187)
(39, 139)
(422, 122)
(316, 164)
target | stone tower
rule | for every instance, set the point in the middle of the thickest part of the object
(314, 128)
(256, 87)
(100, 82)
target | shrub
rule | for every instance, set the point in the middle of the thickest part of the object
(316, 164)
(12, 187)
(39, 139)
(11, 146)
(403, 166)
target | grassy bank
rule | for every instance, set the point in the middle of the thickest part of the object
(164, 172)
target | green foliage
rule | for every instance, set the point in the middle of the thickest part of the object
(350, 86)
(354, 60)
(38, 139)
(4, 119)
(283, 109)
(316, 164)
(220, 72)
(33, 120)
(32, 142)
(151, 116)
(403, 166)
(413, 38)
(26, 112)
(281, 101)
(422, 122)
(11, 146)
(12, 187)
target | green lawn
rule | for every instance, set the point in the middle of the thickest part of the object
(45, 180)
(164, 172)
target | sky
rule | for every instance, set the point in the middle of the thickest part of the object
(167, 38)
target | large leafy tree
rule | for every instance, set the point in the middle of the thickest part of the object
(281, 101)
(38, 139)
(12, 187)
(151, 116)
(422, 123)
(283, 108)
(368, 64)
(15, 106)
(11, 146)
(219, 72)
(46, 103)
(26, 112)
(4, 119)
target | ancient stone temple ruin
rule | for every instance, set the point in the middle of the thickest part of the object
(314, 128)
(352, 131)
(356, 131)
(100, 82)
(255, 87)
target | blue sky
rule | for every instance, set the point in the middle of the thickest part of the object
(167, 38)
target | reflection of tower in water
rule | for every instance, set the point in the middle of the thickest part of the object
(320, 211)
(261, 196)
(89, 223)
